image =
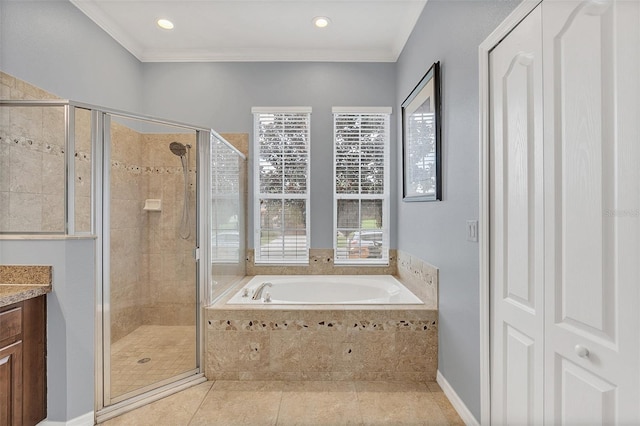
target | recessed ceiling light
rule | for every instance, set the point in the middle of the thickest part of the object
(165, 24)
(321, 21)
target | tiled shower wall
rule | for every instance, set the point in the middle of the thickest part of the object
(128, 267)
(152, 268)
(172, 268)
(31, 161)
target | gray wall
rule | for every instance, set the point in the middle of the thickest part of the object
(450, 32)
(52, 45)
(70, 320)
(220, 95)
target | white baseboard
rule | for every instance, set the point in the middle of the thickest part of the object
(467, 417)
(83, 420)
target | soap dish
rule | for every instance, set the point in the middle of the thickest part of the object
(153, 205)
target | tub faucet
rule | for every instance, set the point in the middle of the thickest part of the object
(258, 292)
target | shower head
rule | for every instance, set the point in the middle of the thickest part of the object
(178, 149)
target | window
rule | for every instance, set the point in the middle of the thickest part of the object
(225, 204)
(281, 184)
(361, 185)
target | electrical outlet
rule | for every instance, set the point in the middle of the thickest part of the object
(472, 231)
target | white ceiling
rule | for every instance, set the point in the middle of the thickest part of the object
(257, 30)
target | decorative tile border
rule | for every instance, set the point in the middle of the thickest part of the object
(328, 325)
(148, 170)
(53, 149)
(33, 145)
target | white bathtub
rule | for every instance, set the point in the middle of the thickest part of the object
(325, 290)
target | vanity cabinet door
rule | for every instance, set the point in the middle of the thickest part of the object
(23, 376)
(11, 384)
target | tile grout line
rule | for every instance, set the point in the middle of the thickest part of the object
(355, 390)
(201, 402)
(280, 403)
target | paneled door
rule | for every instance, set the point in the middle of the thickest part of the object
(592, 231)
(516, 226)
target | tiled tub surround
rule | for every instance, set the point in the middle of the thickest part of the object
(321, 342)
(418, 276)
(321, 262)
(324, 290)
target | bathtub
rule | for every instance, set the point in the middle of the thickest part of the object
(325, 290)
(336, 327)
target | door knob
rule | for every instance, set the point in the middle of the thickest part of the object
(581, 351)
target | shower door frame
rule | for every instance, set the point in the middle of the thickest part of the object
(107, 407)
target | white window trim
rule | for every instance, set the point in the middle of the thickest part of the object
(361, 110)
(281, 110)
(387, 111)
(256, 187)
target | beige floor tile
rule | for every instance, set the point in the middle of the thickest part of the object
(240, 403)
(393, 386)
(177, 409)
(449, 412)
(398, 403)
(319, 403)
(434, 387)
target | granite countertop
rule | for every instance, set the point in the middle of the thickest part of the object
(22, 282)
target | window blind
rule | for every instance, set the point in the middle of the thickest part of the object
(281, 171)
(361, 185)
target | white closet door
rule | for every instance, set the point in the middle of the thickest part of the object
(592, 181)
(516, 224)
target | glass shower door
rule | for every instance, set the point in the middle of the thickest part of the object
(150, 284)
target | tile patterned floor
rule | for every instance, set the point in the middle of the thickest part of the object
(171, 350)
(298, 403)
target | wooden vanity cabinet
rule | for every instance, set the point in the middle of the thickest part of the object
(23, 362)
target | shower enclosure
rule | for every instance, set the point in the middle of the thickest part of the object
(143, 188)
(151, 326)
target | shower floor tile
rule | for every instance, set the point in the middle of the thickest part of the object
(170, 350)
